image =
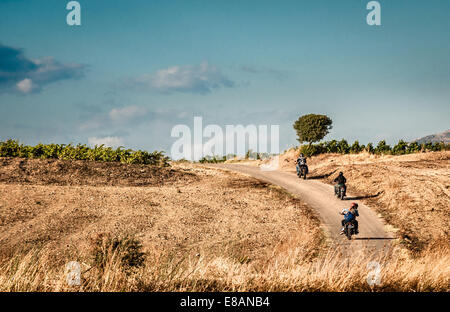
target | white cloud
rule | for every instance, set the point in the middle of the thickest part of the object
(21, 74)
(201, 79)
(117, 116)
(109, 141)
(25, 86)
(126, 113)
(49, 70)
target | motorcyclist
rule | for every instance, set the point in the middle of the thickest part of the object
(350, 216)
(301, 161)
(340, 180)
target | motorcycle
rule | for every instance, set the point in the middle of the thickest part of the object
(339, 191)
(349, 229)
(303, 171)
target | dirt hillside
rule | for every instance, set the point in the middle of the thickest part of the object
(79, 172)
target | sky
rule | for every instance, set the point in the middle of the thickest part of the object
(135, 69)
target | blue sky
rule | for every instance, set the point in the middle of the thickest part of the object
(134, 69)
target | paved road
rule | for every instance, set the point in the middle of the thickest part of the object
(373, 233)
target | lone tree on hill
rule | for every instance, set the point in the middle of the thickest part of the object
(312, 128)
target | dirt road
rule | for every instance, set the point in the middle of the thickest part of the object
(319, 196)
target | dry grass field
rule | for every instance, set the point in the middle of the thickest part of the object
(183, 228)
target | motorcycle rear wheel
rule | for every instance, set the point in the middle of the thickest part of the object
(349, 234)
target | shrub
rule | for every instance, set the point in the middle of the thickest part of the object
(11, 148)
(413, 148)
(129, 249)
(356, 148)
(212, 159)
(369, 148)
(401, 148)
(382, 148)
(332, 146)
(311, 150)
(342, 147)
(438, 146)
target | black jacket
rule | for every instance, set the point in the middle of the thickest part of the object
(301, 160)
(340, 179)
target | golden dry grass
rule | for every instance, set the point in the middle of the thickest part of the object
(206, 230)
(289, 270)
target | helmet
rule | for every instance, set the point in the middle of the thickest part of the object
(354, 205)
(301, 155)
(341, 173)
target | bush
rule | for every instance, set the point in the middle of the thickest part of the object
(401, 148)
(342, 147)
(11, 148)
(369, 148)
(312, 150)
(413, 148)
(212, 160)
(382, 148)
(332, 146)
(104, 247)
(438, 146)
(356, 148)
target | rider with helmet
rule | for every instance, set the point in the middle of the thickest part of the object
(340, 180)
(301, 161)
(350, 216)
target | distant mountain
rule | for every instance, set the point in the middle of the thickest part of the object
(438, 137)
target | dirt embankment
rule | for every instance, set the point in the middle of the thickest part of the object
(411, 191)
(80, 172)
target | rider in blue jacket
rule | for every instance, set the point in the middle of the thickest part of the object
(350, 216)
